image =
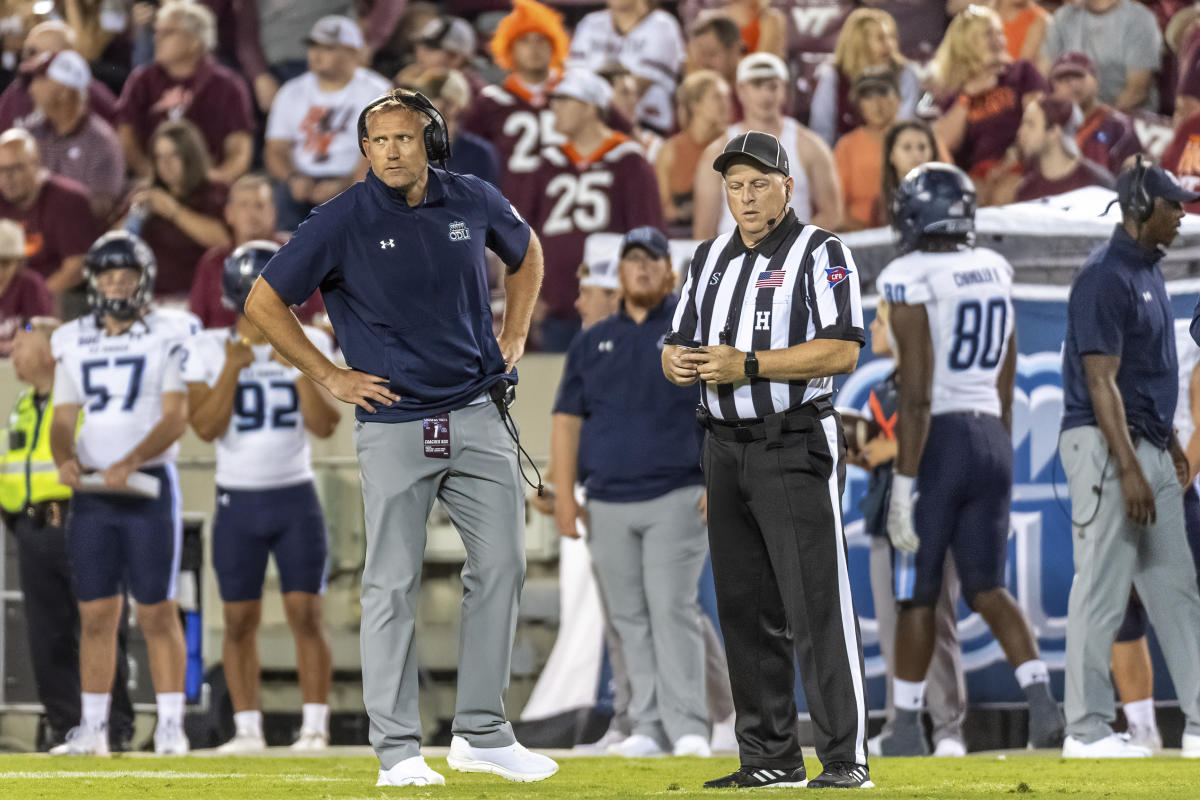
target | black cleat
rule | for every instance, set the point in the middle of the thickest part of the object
(760, 778)
(842, 775)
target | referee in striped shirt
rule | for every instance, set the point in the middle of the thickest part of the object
(769, 313)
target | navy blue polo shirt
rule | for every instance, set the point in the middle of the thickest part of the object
(639, 438)
(1119, 306)
(406, 287)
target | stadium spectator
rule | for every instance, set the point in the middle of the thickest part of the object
(186, 82)
(906, 145)
(52, 36)
(1106, 136)
(1182, 155)
(1025, 25)
(624, 85)
(1122, 39)
(250, 215)
(1053, 165)
(859, 153)
(715, 43)
(704, 112)
(531, 44)
(597, 181)
(54, 211)
(816, 195)
(646, 530)
(23, 293)
(444, 43)
(920, 24)
(469, 154)
(761, 27)
(867, 44)
(981, 98)
(647, 41)
(179, 214)
(74, 141)
(1182, 37)
(312, 148)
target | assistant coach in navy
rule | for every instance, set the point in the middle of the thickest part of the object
(400, 259)
(769, 313)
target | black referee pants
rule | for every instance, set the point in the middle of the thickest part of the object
(783, 590)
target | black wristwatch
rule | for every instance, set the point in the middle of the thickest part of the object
(751, 365)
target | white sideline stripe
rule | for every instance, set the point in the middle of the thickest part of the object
(165, 775)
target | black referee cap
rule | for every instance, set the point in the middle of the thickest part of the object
(761, 148)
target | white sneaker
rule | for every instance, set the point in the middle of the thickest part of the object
(513, 761)
(1148, 738)
(637, 746)
(244, 742)
(723, 735)
(600, 746)
(1115, 745)
(949, 748)
(83, 741)
(1191, 746)
(170, 740)
(311, 741)
(410, 772)
(692, 745)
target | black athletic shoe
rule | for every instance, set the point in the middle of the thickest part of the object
(760, 778)
(842, 775)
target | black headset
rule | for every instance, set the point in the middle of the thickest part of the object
(437, 138)
(1141, 204)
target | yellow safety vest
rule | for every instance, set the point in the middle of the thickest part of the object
(28, 471)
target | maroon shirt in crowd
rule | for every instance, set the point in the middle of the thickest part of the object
(1108, 137)
(16, 105)
(25, 296)
(57, 226)
(1182, 157)
(213, 97)
(994, 116)
(920, 24)
(177, 253)
(1086, 173)
(611, 191)
(204, 300)
(90, 154)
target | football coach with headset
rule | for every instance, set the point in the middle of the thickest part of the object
(399, 258)
(768, 314)
(1125, 467)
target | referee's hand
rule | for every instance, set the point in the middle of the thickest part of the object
(720, 364)
(361, 389)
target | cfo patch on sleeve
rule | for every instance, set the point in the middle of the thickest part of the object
(437, 436)
(836, 275)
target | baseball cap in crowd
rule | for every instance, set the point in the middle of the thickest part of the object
(874, 83)
(12, 239)
(648, 238)
(1072, 63)
(586, 86)
(761, 65)
(336, 31)
(449, 33)
(1181, 20)
(66, 67)
(1158, 182)
(600, 274)
(762, 148)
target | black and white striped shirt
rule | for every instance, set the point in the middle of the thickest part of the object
(798, 284)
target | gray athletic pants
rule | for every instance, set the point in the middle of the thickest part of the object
(648, 557)
(946, 692)
(480, 487)
(1111, 553)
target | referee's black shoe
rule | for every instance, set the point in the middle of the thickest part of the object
(842, 775)
(760, 778)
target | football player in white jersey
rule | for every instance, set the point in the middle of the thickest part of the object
(954, 337)
(122, 365)
(256, 407)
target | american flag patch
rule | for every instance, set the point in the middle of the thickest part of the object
(771, 279)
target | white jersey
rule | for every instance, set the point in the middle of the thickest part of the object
(967, 296)
(653, 50)
(323, 126)
(1189, 355)
(265, 446)
(120, 381)
(801, 201)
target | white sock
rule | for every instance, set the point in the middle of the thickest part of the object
(248, 722)
(316, 717)
(95, 710)
(908, 695)
(170, 708)
(1140, 714)
(1032, 671)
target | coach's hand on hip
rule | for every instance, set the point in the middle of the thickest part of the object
(720, 364)
(361, 389)
(512, 347)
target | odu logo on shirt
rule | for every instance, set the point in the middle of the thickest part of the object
(459, 232)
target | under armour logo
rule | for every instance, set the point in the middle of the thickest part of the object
(384, 244)
(762, 320)
(606, 346)
(1147, 296)
(223, 499)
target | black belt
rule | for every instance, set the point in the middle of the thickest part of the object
(797, 420)
(48, 513)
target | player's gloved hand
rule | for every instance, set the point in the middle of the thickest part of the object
(900, 515)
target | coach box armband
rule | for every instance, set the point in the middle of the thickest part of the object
(138, 484)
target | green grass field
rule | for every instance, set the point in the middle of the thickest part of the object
(337, 778)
